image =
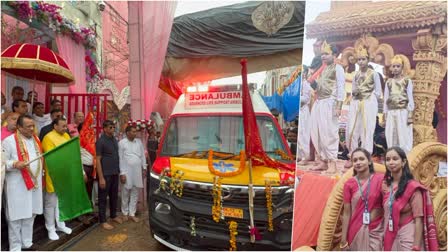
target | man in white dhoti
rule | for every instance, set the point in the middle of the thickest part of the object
(366, 90)
(23, 183)
(399, 107)
(327, 109)
(303, 141)
(133, 169)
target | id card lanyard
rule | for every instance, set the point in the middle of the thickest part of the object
(365, 199)
(391, 201)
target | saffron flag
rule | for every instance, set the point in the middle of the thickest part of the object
(65, 169)
(87, 139)
(254, 147)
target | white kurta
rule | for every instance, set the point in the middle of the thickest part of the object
(304, 138)
(20, 202)
(398, 132)
(41, 121)
(362, 118)
(324, 124)
(132, 161)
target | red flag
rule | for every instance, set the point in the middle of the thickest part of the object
(87, 138)
(254, 147)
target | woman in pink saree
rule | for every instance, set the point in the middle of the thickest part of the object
(362, 225)
(408, 212)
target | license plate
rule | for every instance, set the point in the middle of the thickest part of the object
(233, 212)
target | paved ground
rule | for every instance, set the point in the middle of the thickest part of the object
(127, 236)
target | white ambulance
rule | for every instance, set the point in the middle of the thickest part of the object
(182, 179)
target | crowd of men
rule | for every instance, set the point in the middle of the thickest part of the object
(28, 188)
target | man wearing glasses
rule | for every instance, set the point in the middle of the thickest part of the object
(108, 174)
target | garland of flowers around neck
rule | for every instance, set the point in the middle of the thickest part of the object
(177, 183)
(268, 191)
(233, 232)
(23, 152)
(217, 210)
(212, 170)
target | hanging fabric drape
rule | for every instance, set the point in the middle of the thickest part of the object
(147, 49)
(74, 55)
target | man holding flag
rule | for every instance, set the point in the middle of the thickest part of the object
(23, 188)
(56, 137)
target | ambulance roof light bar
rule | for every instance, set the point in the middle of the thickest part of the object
(218, 88)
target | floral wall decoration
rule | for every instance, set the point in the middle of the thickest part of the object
(49, 14)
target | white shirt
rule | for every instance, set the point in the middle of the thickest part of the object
(305, 96)
(340, 83)
(20, 202)
(41, 121)
(132, 161)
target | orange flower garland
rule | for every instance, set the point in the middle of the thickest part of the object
(268, 191)
(233, 229)
(282, 154)
(217, 211)
(212, 170)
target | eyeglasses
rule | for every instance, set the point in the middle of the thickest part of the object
(111, 127)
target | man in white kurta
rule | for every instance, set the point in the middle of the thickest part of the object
(132, 170)
(22, 205)
(303, 141)
(366, 90)
(398, 108)
(326, 111)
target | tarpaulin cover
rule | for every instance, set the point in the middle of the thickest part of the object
(274, 102)
(229, 31)
(291, 100)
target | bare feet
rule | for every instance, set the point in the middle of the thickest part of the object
(303, 162)
(124, 218)
(107, 226)
(134, 219)
(331, 168)
(321, 165)
(117, 220)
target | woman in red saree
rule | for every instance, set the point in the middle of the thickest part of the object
(408, 212)
(362, 220)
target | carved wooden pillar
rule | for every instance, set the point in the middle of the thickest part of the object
(430, 70)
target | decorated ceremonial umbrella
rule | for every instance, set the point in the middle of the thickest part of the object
(36, 63)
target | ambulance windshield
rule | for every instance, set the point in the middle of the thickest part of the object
(220, 133)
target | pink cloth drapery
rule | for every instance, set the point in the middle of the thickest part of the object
(74, 55)
(148, 45)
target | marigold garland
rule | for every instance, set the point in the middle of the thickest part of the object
(282, 154)
(212, 170)
(192, 226)
(164, 180)
(217, 211)
(233, 232)
(177, 183)
(268, 191)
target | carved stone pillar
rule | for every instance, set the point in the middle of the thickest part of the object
(430, 70)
